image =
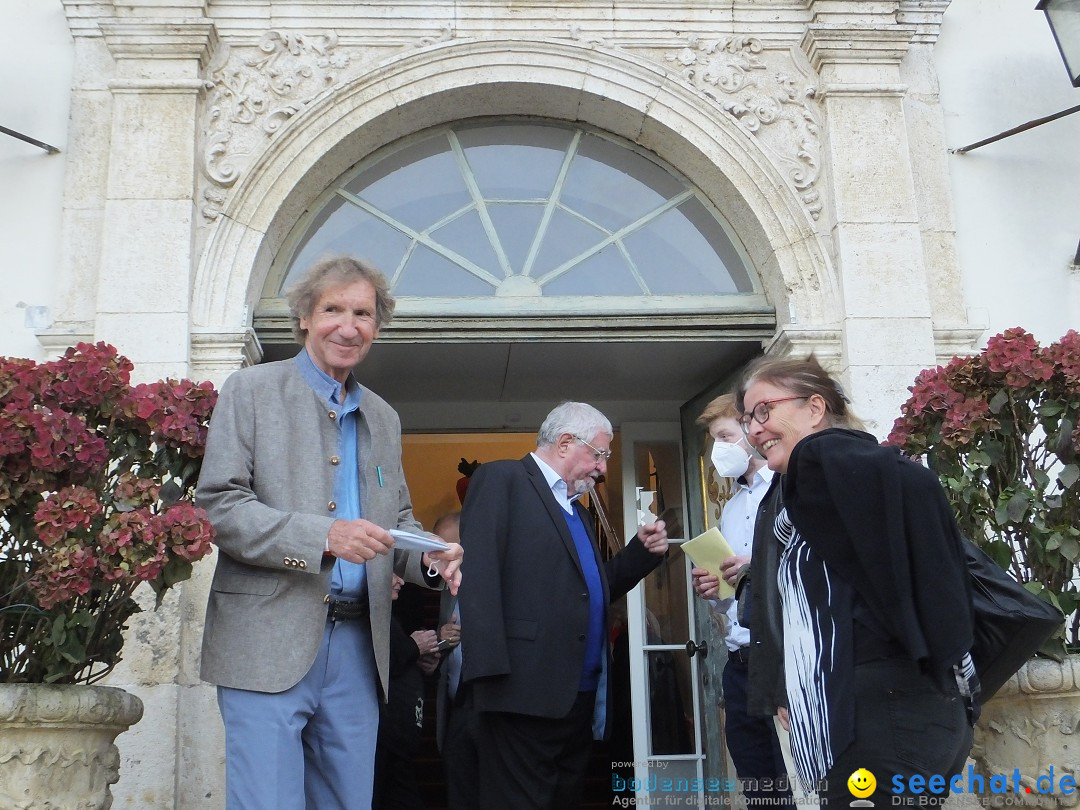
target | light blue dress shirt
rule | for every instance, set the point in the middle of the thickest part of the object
(349, 580)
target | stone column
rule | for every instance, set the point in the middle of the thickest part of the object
(886, 328)
(144, 278)
(143, 303)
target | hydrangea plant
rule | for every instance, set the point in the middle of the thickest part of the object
(1000, 428)
(96, 485)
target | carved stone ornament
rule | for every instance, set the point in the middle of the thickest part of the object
(58, 751)
(249, 97)
(777, 105)
(1030, 727)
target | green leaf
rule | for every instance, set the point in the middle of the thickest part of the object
(994, 449)
(177, 569)
(191, 469)
(998, 401)
(59, 632)
(1055, 541)
(1001, 514)
(1017, 507)
(1051, 408)
(171, 493)
(1037, 588)
(1069, 475)
(1070, 548)
(1067, 602)
(73, 650)
(1063, 445)
(1042, 480)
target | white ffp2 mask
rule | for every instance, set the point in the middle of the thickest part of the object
(730, 460)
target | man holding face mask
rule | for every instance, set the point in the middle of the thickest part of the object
(752, 739)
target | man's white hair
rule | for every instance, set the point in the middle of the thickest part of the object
(576, 418)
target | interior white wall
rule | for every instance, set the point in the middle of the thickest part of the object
(35, 81)
(1017, 201)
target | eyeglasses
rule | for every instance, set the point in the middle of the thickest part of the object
(761, 412)
(599, 455)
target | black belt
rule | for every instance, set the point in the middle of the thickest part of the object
(338, 610)
(741, 655)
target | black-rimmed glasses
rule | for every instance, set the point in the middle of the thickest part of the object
(761, 412)
(599, 455)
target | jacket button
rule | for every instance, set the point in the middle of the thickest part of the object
(335, 460)
(585, 596)
(332, 506)
(332, 415)
(581, 637)
(302, 563)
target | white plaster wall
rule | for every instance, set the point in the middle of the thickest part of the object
(1017, 201)
(35, 77)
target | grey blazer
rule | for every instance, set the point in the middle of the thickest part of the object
(267, 483)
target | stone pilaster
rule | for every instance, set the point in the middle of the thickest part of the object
(158, 52)
(887, 330)
(144, 280)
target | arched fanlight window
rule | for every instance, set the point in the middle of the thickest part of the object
(524, 216)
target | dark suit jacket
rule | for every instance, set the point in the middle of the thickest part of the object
(442, 694)
(524, 602)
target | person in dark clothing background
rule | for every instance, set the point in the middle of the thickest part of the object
(401, 719)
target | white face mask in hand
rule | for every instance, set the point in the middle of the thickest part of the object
(730, 460)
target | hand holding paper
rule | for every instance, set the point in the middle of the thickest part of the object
(709, 550)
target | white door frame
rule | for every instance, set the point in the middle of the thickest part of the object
(645, 763)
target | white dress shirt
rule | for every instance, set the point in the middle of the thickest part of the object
(737, 525)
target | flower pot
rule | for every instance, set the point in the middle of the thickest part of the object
(58, 750)
(1031, 726)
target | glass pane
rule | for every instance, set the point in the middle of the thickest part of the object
(431, 273)
(658, 469)
(671, 704)
(566, 237)
(418, 186)
(605, 273)
(516, 168)
(467, 237)
(674, 257)
(342, 229)
(516, 226)
(515, 162)
(716, 234)
(666, 617)
(613, 186)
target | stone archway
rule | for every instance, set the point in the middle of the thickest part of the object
(616, 91)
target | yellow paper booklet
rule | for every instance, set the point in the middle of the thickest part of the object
(708, 550)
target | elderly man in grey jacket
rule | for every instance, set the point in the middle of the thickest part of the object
(302, 480)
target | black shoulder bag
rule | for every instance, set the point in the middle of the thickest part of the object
(1011, 623)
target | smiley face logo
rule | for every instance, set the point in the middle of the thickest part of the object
(861, 783)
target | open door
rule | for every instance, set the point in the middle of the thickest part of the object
(706, 493)
(668, 743)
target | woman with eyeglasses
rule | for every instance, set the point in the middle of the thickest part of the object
(875, 597)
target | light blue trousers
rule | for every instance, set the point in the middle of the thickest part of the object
(311, 747)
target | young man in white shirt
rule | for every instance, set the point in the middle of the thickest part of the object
(751, 739)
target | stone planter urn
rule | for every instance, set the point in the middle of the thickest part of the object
(1031, 725)
(57, 751)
